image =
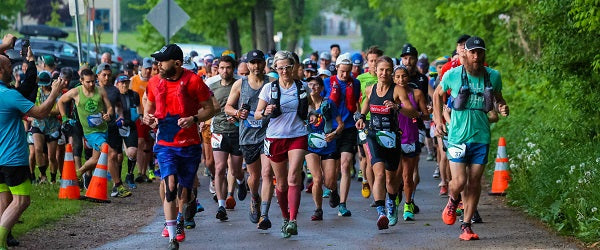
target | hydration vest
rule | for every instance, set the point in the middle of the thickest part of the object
(461, 99)
(326, 116)
(336, 93)
(187, 106)
(302, 110)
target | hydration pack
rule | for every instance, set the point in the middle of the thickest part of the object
(302, 100)
(460, 101)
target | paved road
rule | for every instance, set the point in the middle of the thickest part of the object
(504, 227)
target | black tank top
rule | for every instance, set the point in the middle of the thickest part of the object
(382, 118)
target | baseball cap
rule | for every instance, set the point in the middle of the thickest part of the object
(324, 72)
(147, 62)
(168, 52)
(129, 66)
(462, 38)
(121, 78)
(45, 78)
(209, 57)
(311, 65)
(188, 64)
(270, 62)
(408, 49)
(325, 56)
(255, 55)
(343, 59)
(103, 66)
(357, 59)
(48, 59)
(475, 42)
(193, 53)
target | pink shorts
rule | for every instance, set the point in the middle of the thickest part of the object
(279, 148)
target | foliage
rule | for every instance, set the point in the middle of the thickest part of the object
(54, 16)
(130, 17)
(43, 11)
(9, 10)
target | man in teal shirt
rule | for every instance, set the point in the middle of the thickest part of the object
(469, 129)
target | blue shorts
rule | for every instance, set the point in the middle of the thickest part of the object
(179, 161)
(476, 153)
(96, 139)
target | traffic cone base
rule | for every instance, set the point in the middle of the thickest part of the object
(97, 190)
(69, 188)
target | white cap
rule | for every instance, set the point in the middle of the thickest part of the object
(324, 72)
(343, 59)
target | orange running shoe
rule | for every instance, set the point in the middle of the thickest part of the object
(443, 190)
(230, 202)
(467, 232)
(449, 213)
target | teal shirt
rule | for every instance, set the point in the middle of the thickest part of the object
(470, 125)
(13, 139)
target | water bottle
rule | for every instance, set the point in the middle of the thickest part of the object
(488, 96)
(460, 102)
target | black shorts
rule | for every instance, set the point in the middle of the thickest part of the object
(14, 176)
(230, 143)
(332, 156)
(252, 152)
(115, 140)
(347, 141)
(48, 138)
(389, 156)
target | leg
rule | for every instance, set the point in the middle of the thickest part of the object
(90, 164)
(142, 158)
(220, 159)
(281, 175)
(472, 190)
(42, 162)
(294, 179)
(346, 165)
(52, 160)
(313, 162)
(113, 166)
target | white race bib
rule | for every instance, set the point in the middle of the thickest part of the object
(457, 151)
(124, 131)
(362, 135)
(250, 122)
(317, 140)
(408, 148)
(94, 120)
(386, 139)
(216, 140)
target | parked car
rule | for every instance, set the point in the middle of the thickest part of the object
(202, 49)
(119, 54)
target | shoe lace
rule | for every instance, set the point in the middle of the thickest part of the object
(467, 229)
(179, 229)
(451, 208)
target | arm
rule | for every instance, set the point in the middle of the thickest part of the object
(438, 101)
(421, 101)
(109, 109)
(29, 84)
(502, 106)
(401, 97)
(64, 100)
(234, 97)
(493, 116)
(7, 42)
(262, 105)
(360, 124)
(43, 110)
(208, 110)
(338, 131)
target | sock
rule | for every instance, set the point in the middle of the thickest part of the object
(282, 198)
(195, 192)
(42, 170)
(264, 208)
(221, 203)
(380, 204)
(455, 201)
(52, 177)
(229, 193)
(294, 200)
(3, 235)
(171, 225)
(32, 176)
(179, 217)
(130, 165)
(392, 196)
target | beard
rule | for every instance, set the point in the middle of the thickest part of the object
(474, 68)
(168, 73)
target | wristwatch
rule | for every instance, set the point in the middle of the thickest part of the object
(195, 119)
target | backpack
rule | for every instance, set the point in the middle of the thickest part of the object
(302, 100)
(460, 101)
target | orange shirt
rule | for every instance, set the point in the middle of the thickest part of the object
(139, 86)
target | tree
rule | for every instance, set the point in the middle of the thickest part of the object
(10, 9)
(42, 10)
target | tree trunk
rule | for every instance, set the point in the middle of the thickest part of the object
(260, 26)
(270, 15)
(233, 35)
(296, 16)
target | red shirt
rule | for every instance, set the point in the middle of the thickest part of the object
(196, 90)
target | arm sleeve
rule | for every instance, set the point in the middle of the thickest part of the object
(29, 85)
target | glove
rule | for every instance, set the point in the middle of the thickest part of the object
(67, 126)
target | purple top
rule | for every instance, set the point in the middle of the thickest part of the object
(410, 131)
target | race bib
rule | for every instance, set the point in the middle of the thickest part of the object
(267, 147)
(408, 148)
(94, 120)
(386, 139)
(124, 131)
(215, 141)
(317, 140)
(251, 122)
(457, 151)
(362, 136)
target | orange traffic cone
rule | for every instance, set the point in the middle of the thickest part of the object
(97, 190)
(69, 189)
(501, 174)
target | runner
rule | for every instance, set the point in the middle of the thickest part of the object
(241, 104)
(310, 69)
(177, 101)
(130, 101)
(475, 89)
(285, 103)
(144, 153)
(344, 91)
(225, 143)
(384, 99)
(367, 79)
(322, 151)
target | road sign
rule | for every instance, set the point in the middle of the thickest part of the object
(167, 17)
(80, 7)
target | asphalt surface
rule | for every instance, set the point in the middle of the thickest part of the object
(503, 227)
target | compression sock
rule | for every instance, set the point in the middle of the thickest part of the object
(282, 198)
(264, 208)
(3, 235)
(42, 170)
(52, 177)
(294, 200)
(380, 204)
(171, 225)
(130, 165)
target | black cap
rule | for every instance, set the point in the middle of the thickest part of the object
(311, 66)
(408, 49)
(129, 66)
(255, 55)
(168, 52)
(475, 43)
(463, 38)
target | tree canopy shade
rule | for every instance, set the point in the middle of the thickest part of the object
(8, 12)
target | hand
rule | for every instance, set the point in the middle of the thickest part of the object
(120, 122)
(503, 109)
(269, 109)
(231, 119)
(429, 109)
(58, 85)
(186, 122)
(243, 114)
(390, 104)
(9, 39)
(360, 124)
(106, 117)
(330, 137)
(149, 120)
(30, 56)
(312, 119)
(440, 129)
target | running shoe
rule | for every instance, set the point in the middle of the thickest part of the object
(326, 193)
(199, 207)
(392, 212)
(359, 177)
(120, 192)
(140, 178)
(151, 175)
(467, 233)
(292, 227)
(254, 211)
(366, 190)
(429, 156)
(230, 202)
(334, 199)
(317, 215)
(383, 222)
(211, 187)
(130, 182)
(476, 218)
(173, 244)
(189, 224)
(416, 209)
(221, 214)
(264, 223)
(449, 213)
(443, 190)
(180, 232)
(343, 211)
(11, 241)
(43, 180)
(309, 187)
(436, 172)
(409, 214)
(165, 231)
(242, 191)
(284, 231)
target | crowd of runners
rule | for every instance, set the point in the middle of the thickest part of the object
(265, 124)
